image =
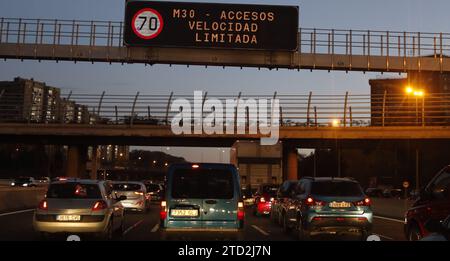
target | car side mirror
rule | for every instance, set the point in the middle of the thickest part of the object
(122, 198)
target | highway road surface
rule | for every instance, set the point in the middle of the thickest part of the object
(17, 226)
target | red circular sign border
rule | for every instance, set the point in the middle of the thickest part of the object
(138, 33)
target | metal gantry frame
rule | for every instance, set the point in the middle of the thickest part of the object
(311, 40)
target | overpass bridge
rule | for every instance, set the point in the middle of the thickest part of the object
(308, 121)
(319, 49)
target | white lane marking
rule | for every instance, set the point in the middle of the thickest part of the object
(389, 238)
(16, 212)
(390, 219)
(133, 227)
(260, 230)
(155, 228)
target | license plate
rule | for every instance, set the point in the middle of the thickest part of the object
(184, 212)
(68, 218)
(340, 205)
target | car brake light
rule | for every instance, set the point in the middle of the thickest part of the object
(240, 212)
(366, 202)
(43, 205)
(99, 205)
(312, 202)
(163, 211)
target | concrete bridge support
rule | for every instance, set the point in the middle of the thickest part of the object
(290, 162)
(76, 161)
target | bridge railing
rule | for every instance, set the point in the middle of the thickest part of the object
(311, 40)
(305, 110)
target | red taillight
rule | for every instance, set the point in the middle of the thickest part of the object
(312, 202)
(43, 205)
(99, 205)
(366, 202)
(240, 212)
(163, 211)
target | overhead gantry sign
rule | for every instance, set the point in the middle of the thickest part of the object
(206, 25)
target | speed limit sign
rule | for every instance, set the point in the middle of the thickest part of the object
(147, 23)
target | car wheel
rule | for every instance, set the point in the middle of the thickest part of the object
(108, 233)
(286, 227)
(119, 232)
(364, 235)
(43, 236)
(414, 233)
(273, 218)
(302, 234)
(279, 221)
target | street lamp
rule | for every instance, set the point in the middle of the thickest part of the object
(335, 123)
(417, 93)
(409, 90)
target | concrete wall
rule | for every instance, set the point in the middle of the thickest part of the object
(5, 182)
(390, 207)
(20, 198)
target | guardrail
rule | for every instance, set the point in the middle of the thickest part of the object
(311, 40)
(308, 110)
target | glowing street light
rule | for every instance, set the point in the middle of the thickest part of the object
(335, 123)
(409, 90)
(419, 93)
(415, 92)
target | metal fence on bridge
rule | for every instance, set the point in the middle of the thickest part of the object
(311, 40)
(308, 110)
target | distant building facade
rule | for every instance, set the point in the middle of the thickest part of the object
(27, 100)
(400, 109)
(257, 164)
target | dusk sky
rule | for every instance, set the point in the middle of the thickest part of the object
(399, 15)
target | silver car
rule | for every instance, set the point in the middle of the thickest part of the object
(78, 207)
(136, 194)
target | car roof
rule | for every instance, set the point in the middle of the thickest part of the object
(128, 182)
(82, 181)
(322, 179)
(202, 165)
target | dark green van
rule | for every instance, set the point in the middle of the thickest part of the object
(202, 197)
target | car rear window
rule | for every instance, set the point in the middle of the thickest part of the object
(127, 187)
(22, 180)
(153, 187)
(202, 184)
(74, 191)
(336, 189)
(270, 190)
